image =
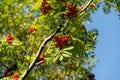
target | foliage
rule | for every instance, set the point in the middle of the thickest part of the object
(24, 24)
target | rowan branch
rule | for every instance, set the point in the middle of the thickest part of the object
(86, 6)
(39, 52)
(44, 43)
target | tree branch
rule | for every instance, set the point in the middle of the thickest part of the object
(43, 44)
(86, 6)
(39, 52)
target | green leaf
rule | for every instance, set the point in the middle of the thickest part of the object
(37, 5)
(61, 58)
(68, 48)
(65, 55)
(55, 59)
(68, 53)
(6, 78)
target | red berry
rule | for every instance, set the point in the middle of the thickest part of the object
(9, 38)
(41, 58)
(82, 6)
(32, 29)
(16, 76)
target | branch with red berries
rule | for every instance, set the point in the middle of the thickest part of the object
(86, 6)
(44, 43)
(39, 51)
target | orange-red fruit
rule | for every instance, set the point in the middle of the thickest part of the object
(15, 76)
(32, 29)
(61, 41)
(9, 38)
(41, 58)
(82, 6)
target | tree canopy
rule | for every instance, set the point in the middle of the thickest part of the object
(47, 39)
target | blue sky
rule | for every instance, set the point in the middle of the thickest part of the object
(108, 46)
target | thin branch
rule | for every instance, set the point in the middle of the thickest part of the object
(86, 6)
(38, 63)
(39, 52)
(43, 44)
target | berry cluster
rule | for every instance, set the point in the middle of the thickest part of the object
(45, 7)
(61, 41)
(72, 11)
(32, 29)
(15, 76)
(9, 38)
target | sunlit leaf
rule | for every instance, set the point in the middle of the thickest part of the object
(68, 48)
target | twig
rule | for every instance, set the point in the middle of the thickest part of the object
(43, 44)
(86, 6)
(38, 63)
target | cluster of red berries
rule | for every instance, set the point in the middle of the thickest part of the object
(15, 76)
(32, 29)
(72, 11)
(9, 38)
(45, 7)
(61, 41)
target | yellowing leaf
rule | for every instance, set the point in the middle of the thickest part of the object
(37, 5)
